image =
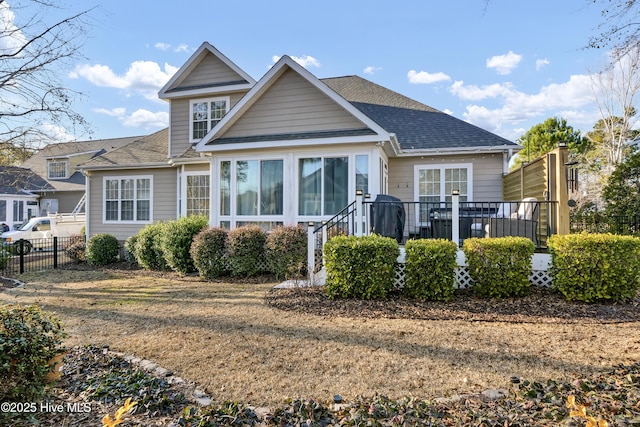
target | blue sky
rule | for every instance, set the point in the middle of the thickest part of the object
(503, 66)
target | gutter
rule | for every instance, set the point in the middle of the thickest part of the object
(123, 167)
(459, 150)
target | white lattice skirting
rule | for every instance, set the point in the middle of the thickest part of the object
(539, 275)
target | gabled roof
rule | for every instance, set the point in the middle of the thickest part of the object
(417, 126)
(147, 151)
(240, 81)
(368, 131)
(65, 150)
(16, 180)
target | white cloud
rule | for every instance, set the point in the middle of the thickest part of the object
(57, 133)
(571, 99)
(476, 93)
(504, 64)
(162, 46)
(142, 77)
(140, 118)
(181, 48)
(423, 77)
(12, 38)
(305, 60)
(541, 63)
(370, 70)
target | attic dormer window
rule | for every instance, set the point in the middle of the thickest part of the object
(58, 169)
(205, 114)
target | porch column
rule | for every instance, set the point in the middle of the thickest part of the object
(455, 216)
(358, 218)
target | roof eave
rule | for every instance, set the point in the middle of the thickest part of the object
(442, 151)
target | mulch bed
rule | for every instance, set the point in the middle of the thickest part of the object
(542, 305)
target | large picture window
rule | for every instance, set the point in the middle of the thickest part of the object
(323, 185)
(259, 186)
(127, 199)
(205, 114)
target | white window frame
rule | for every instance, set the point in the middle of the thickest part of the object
(65, 163)
(121, 178)
(185, 192)
(234, 217)
(209, 120)
(442, 168)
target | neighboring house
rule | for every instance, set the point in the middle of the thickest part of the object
(289, 148)
(19, 194)
(57, 165)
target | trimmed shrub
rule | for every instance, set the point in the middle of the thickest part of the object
(499, 267)
(246, 250)
(360, 267)
(102, 249)
(130, 249)
(286, 252)
(430, 269)
(176, 240)
(209, 253)
(148, 250)
(595, 267)
(29, 339)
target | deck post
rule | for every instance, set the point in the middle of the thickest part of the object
(455, 216)
(358, 218)
(311, 250)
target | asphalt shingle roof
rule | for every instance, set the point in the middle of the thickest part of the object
(17, 180)
(151, 149)
(76, 181)
(417, 126)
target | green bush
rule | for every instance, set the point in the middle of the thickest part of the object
(430, 269)
(360, 267)
(29, 339)
(595, 267)
(246, 251)
(209, 253)
(499, 267)
(286, 252)
(176, 240)
(148, 250)
(130, 254)
(102, 249)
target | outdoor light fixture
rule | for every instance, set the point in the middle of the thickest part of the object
(572, 175)
(455, 192)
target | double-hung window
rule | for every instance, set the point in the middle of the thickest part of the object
(57, 169)
(205, 114)
(127, 199)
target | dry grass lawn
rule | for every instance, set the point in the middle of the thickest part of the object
(226, 339)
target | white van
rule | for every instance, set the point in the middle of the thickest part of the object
(38, 232)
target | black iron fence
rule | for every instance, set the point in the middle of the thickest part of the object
(600, 222)
(35, 255)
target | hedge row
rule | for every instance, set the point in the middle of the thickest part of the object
(585, 267)
(188, 245)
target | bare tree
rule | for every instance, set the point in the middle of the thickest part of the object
(616, 90)
(620, 28)
(34, 52)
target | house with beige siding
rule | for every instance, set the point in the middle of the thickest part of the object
(288, 148)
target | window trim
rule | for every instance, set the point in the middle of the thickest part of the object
(66, 169)
(442, 167)
(227, 99)
(120, 178)
(184, 189)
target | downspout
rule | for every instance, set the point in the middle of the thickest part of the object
(87, 205)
